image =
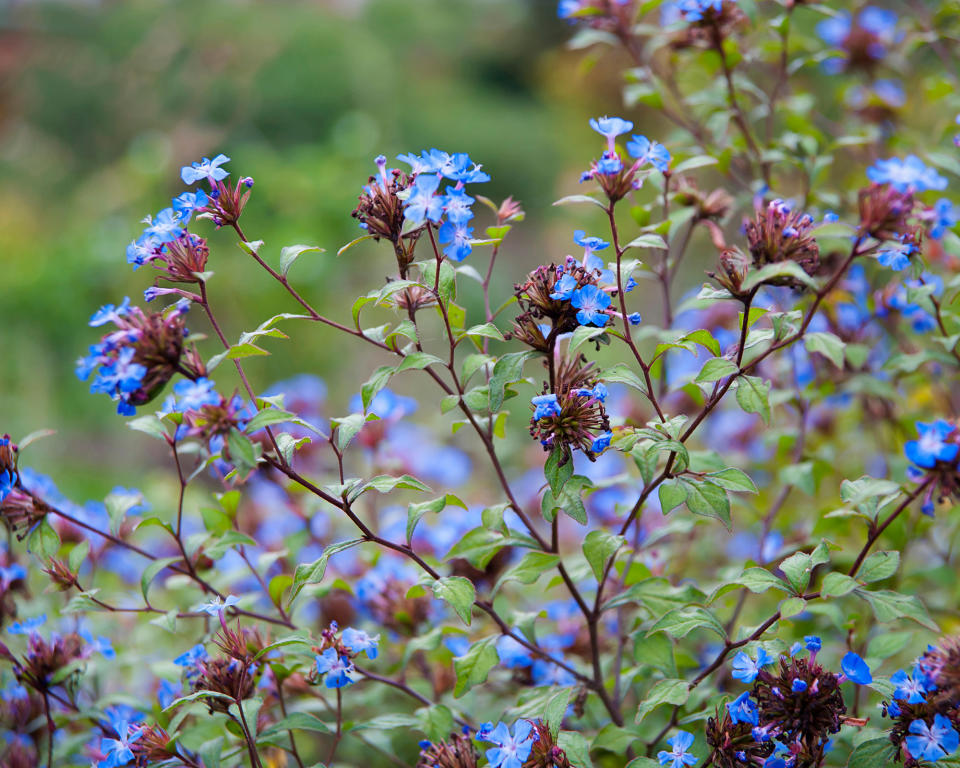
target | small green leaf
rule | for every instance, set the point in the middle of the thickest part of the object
(664, 692)
(459, 592)
(507, 370)
(716, 368)
(291, 253)
(837, 585)
(889, 606)
(473, 667)
(598, 547)
(879, 566)
(827, 345)
(312, 573)
(150, 572)
(529, 569)
(753, 396)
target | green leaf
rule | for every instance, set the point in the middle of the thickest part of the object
(266, 417)
(417, 511)
(648, 240)
(571, 199)
(348, 427)
(773, 271)
(792, 606)
(837, 585)
(716, 368)
(529, 569)
(387, 483)
(507, 370)
(312, 573)
(459, 592)
(697, 161)
(827, 345)
(487, 330)
(672, 494)
(558, 469)
(733, 480)
(708, 499)
(576, 747)
(753, 396)
(473, 667)
(759, 580)
(556, 709)
(598, 547)
(44, 541)
(150, 572)
(436, 722)
(889, 606)
(570, 500)
(705, 339)
(118, 505)
(418, 361)
(295, 721)
(664, 692)
(149, 425)
(872, 753)
(243, 454)
(879, 566)
(681, 621)
(77, 555)
(291, 253)
(345, 248)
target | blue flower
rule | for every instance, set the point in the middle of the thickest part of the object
(118, 751)
(15, 572)
(459, 167)
(458, 238)
(205, 169)
(598, 392)
(511, 751)
(357, 640)
(428, 161)
(563, 289)
(746, 669)
(907, 175)
(895, 254)
(168, 692)
(193, 395)
(28, 626)
(120, 376)
(798, 686)
(679, 756)
(6, 485)
(609, 164)
(190, 658)
(743, 710)
(812, 643)
(423, 204)
(913, 688)
(142, 250)
(217, 606)
(856, 669)
(513, 655)
(336, 668)
(647, 151)
(610, 127)
(932, 743)
(932, 445)
(634, 318)
(456, 206)
(187, 203)
(108, 313)
(945, 217)
(591, 302)
(601, 442)
(100, 644)
(591, 244)
(546, 405)
(165, 227)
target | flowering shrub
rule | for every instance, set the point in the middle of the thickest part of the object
(684, 561)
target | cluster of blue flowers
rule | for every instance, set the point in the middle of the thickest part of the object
(171, 222)
(862, 40)
(510, 749)
(642, 149)
(335, 664)
(450, 210)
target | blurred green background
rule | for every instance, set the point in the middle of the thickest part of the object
(102, 103)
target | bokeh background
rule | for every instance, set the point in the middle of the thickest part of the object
(101, 103)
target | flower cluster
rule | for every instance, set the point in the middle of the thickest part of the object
(334, 659)
(863, 41)
(787, 719)
(926, 705)
(937, 454)
(450, 210)
(135, 361)
(777, 233)
(615, 178)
